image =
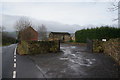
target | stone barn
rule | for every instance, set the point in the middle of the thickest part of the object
(28, 34)
(62, 36)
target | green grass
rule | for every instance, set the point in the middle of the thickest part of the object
(7, 44)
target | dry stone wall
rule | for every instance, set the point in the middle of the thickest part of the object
(110, 47)
(37, 47)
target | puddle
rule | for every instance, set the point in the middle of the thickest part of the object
(73, 55)
(79, 63)
(94, 59)
(85, 65)
(89, 61)
(63, 71)
(78, 52)
(63, 58)
(73, 47)
(72, 61)
(85, 62)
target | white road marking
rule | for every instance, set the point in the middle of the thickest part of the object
(14, 60)
(14, 74)
(14, 65)
(41, 71)
(15, 52)
(14, 56)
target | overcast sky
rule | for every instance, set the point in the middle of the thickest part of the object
(67, 12)
(59, 0)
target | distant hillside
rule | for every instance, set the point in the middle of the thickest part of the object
(11, 34)
(8, 38)
(9, 21)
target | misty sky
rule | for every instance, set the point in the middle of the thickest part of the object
(82, 13)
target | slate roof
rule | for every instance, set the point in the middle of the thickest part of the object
(65, 33)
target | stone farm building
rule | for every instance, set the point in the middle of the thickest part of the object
(28, 34)
(62, 36)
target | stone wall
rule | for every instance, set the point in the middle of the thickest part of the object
(67, 38)
(61, 36)
(37, 47)
(97, 46)
(110, 47)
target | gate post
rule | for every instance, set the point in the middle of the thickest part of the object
(89, 45)
(58, 45)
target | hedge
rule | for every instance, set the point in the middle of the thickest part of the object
(97, 33)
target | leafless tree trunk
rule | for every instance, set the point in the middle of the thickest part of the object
(42, 31)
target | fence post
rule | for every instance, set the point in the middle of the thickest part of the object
(59, 45)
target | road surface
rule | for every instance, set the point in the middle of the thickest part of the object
(16, 66)
(72, 62)
(0, 62)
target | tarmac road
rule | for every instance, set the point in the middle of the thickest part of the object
(16, 66)
(72, 62)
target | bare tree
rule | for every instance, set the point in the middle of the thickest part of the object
(2, 31)
(42, 31)
(20, 26)
(115, 6)
(0, 35)
(2, 28)
(22, 23)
